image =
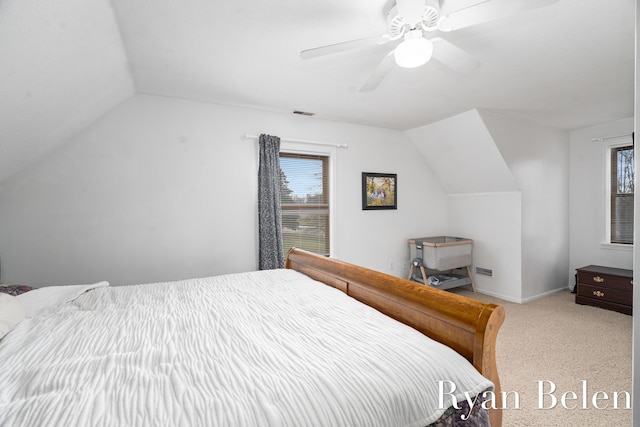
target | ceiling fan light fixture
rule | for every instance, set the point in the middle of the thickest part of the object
(414, 51)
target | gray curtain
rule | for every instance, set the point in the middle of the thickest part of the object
(270, 251)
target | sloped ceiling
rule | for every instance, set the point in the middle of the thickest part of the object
(62, 66)
(462, 153)
(67, 62)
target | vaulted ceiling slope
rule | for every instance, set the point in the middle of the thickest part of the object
(62, 65)
(66, 62)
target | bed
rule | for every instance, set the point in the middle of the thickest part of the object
(267, 348)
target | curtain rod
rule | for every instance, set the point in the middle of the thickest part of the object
(301, 141)
(604, 138)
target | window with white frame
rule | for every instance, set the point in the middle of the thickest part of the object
(621, 188)
(305, 202)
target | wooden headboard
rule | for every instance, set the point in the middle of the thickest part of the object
(468, 326)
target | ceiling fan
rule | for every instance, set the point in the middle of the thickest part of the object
(414, 26)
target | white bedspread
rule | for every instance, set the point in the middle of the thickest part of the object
(270, 348)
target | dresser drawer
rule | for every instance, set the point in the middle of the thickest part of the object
(605, 280)
(621, 308)
(605, 294)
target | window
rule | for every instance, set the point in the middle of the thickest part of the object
(622, 189)
(304, 197)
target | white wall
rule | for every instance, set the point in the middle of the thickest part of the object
(493, 220)
(587, 213)
(484, 202)
(587, 199)
(493, 166)
(162, 189)
(538, 158)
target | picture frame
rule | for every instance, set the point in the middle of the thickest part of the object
(379, 191)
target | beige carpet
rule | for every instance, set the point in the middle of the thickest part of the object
(555, 340)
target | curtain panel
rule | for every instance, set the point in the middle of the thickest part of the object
(270, 251)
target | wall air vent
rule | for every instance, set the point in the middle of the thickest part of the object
(303, 113)
(484, 271)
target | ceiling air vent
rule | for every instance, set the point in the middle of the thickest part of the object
(303, 113)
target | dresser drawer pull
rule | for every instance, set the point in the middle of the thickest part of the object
(598, 294)
(598, 279)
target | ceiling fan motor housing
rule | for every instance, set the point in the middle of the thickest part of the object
(396, 23)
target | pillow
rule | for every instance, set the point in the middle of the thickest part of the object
(53, 296)
(15, 289)
(11, 313)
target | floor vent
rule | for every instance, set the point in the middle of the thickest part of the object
(484, 271)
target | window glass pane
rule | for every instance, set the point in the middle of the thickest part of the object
(622, 194)
(301, 179)
(622, 224)
(304, 198)
(625, 170)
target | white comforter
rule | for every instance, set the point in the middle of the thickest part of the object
(270, 348)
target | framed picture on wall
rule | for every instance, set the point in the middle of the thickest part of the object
(379, 191)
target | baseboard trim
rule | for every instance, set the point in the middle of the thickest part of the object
(520, 300)
(544, 294)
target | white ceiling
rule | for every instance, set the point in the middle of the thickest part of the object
(566, 65)
(65, 63)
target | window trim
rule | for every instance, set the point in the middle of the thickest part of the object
(608, 147)
(287, 147)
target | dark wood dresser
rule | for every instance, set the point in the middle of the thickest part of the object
(605, 287)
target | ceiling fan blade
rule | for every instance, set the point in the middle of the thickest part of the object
(487, 10)
(453, 57)
(379, 73)
(411, 11)
(343, 46)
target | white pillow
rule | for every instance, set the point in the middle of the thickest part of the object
(11, 313)
(53, 296)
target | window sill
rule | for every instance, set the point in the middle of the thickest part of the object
(616, 247)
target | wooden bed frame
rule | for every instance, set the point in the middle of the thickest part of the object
(468, 326)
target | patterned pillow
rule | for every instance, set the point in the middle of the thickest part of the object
(15, 289)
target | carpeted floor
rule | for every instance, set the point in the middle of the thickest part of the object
(554, 341)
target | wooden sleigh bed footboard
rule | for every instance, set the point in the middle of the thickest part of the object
(468, 326)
